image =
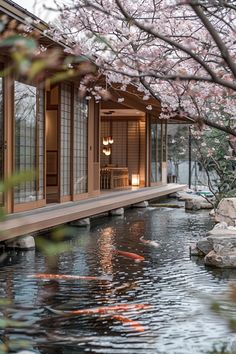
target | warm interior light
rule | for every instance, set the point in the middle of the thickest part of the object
(106, 151)
(110, 140)
(135, 179)
(105, 141)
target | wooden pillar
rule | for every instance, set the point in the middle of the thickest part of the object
(90, 146)
(8, 100)
(148, 145)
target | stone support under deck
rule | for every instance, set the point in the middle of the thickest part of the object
(117, 212)
(143, 204)
(24, 243)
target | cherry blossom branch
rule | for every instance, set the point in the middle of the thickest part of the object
(220, 44)
(166, 39)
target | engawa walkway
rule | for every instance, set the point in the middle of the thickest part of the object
(53, 215)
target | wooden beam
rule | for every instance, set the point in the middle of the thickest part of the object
(135, 102)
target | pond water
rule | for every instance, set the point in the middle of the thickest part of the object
(179, 289)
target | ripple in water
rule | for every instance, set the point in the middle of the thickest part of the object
(178, 289)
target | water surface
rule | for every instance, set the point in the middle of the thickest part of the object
(178, 288)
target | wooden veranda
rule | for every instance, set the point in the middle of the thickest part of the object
(29, 222)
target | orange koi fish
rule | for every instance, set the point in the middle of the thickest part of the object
(100, 310)
(136, 325)
(134, 256)
(67, 277)
(149, 242)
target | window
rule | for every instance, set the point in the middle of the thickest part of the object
(156, 152)
(65, 138)
(29, 140)
(80, 160)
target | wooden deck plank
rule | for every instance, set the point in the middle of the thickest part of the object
(24, 223)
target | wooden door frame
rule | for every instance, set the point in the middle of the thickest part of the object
(8, 97)
(54, 107)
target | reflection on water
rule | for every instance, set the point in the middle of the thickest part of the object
(177, 288)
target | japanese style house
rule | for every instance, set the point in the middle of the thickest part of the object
(79, 147)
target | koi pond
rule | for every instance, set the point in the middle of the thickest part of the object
(117, 304)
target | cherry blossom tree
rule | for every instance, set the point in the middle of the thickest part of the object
(215, 153)
(179, 51)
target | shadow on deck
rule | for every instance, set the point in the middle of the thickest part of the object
(53, 215)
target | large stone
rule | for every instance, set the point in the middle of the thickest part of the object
(195, 251)
(221, 226)
(204, 246)
(227, 241)
(24, 243)
(224, 260)
(205, 205)
(219, 246)
(192, 204)
(222, 248)
(212, 213)
(220, 242)
(185, 196)
(226, 211)
(221, 232)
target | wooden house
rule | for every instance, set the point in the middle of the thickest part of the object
(79, 147)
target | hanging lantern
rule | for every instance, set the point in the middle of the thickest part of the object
(105, 141)
(108, 151)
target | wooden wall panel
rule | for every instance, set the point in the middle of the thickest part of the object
(65, 157)
(133, 153)
(128, 149)
(142, 152)
(96, 185)
(119, 147)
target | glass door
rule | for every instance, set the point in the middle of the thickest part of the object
(156, 153)
(29, 144)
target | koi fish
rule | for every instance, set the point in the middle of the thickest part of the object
(67, 277)
(149, 242)
(100, 310)
(136, 325)
(134, 256)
